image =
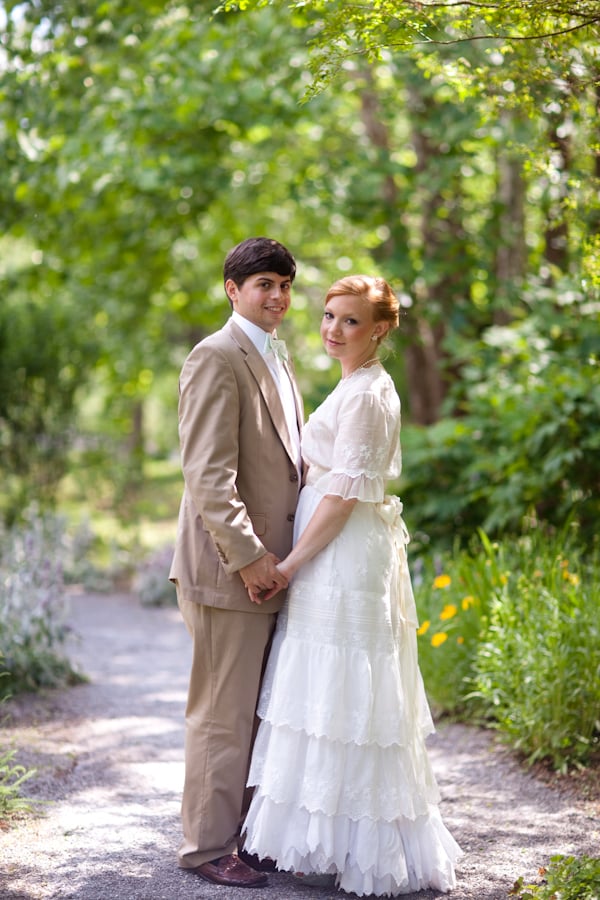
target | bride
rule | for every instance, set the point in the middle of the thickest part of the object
(343, 784)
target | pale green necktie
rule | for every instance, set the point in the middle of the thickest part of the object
(274, 345)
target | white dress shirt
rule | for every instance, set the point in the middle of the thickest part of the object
(280, 377)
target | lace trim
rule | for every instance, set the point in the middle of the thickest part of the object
(366, 487)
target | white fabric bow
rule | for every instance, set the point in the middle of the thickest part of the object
(274, 345)
(390, 510)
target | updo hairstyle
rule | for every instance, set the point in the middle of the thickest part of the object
(376, 291)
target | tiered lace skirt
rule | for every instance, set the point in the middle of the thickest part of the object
(342, 778)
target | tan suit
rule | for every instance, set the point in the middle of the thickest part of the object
(241, 490)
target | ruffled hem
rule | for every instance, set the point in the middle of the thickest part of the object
(338, 779)
(366, 856)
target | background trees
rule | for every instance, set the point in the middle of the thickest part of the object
(141, 140)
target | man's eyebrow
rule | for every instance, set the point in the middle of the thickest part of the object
(266, 278)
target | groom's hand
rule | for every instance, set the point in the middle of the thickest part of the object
(262, 578)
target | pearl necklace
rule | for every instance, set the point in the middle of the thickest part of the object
(366, 365)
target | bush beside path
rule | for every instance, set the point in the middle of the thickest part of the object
(109, 760)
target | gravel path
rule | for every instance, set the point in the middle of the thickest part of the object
(109, 758)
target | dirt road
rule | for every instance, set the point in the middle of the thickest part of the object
(109, 758)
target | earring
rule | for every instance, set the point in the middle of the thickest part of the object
(373, 337)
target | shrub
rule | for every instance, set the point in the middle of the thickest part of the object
(537, 670)
(510, 634)
(44, 354)
(33, 605)
(522, 431)
(566, 878)
(454, 594)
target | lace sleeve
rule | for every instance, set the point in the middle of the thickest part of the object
(366, 438)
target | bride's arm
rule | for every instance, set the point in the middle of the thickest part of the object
(327, 521)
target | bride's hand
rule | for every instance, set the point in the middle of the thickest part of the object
(266, 594)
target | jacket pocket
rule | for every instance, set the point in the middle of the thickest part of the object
(259, 523)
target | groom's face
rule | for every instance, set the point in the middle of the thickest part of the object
(263, 298)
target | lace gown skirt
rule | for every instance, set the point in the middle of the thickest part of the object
(343, 781)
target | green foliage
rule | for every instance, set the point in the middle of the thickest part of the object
(42, 358)
(453, 596)
(510, 634)
(139, 145)
(524, 42)
(528, 432)
(537, 669)
(12, 775)
(566, 878)
(140, 141)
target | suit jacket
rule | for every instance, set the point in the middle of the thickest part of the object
(241, 480)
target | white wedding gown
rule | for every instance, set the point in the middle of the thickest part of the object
(342, 779)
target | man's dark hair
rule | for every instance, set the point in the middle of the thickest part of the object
(258, 254)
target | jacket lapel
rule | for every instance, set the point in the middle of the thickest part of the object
(264, 379)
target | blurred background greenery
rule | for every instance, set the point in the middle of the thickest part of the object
(453, 149)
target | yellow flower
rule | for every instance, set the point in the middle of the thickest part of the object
(460, 640)
(566, 575)
(424, 627)
(503, 578)
(573, 578)
(438, 639)
(564, 563)
(467, 602)
(448, 611)
(442, 581)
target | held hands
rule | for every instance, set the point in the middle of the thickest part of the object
(263, 579)
(284, 570)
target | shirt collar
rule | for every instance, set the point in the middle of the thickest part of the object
(256, 334)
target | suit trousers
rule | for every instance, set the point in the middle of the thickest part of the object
(229, 653)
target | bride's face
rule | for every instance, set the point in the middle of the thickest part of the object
(348, 331)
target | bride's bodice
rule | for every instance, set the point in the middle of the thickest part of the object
(351, 443)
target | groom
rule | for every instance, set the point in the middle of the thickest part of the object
(240, 415)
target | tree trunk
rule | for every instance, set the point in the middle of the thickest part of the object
(510, 253)
(556, 250)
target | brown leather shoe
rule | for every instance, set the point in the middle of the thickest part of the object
(230, 871)
(264, 864)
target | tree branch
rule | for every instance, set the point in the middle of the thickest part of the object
(501, 37)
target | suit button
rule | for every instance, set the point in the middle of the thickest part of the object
(294, 476)
(291, 517)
